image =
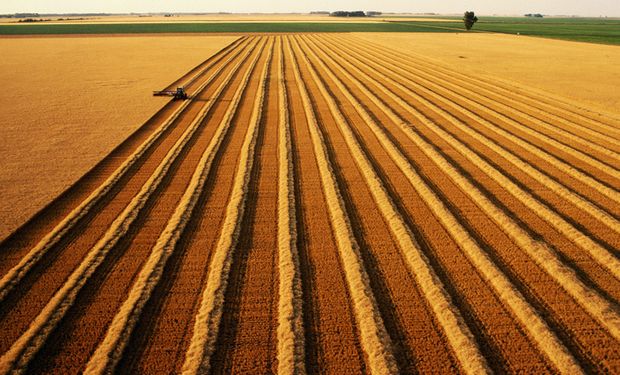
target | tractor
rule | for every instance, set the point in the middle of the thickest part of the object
(179, 94)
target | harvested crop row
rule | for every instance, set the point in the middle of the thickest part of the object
(328, 312)
(508, 104)
(597, 251)
(207, 320)
(526, 95)
(291, 341)
(109, 351)
(22, 351)
(560, 308)
(439, 93)
(458, 333)
(375, 340)
(529, 317)
(560, 138)
(12, 278)
(536, 150)
(589, 299)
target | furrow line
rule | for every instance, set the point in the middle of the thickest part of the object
(602, 310)
(375, 340)
(579, 201)
(12, 278)
(499, 99)
(206, 327)
(598, 252)
(536, 150)
(532, 97)
(453, 325)
(291, 351)
(529, 318)
(23, 350)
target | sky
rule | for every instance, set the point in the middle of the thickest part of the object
(484, 7)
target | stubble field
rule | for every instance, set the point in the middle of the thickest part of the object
(327, 204)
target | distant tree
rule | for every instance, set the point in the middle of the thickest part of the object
(469, 18)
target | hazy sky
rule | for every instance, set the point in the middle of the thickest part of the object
(486, 7)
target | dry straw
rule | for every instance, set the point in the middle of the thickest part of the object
(374, 338)
(109, 352)
(290, 320)
(597, 251)
(601, 309)
(207, 323)
(23, 350)
(530, 319)
(448, 315)
(12, 278)
(533, 99)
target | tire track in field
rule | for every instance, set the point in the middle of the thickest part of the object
(110, 349)
(452, 323)
(494, 97)
(17, 273)
(208, 318)
(589, 299)
(35, 336)
(528, 95)
(599, 252)
(374, 338)
(529, 318)
(291, 337)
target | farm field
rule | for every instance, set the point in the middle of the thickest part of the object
(89, 94)
(327, 203)
(580, 29)
(585, 73)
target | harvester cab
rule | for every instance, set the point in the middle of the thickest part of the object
(178, 94)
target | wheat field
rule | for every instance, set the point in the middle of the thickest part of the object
(326, 204)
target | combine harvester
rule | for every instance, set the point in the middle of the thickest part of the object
(179, 94)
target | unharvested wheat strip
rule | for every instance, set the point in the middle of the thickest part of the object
(11, 278)
(529, 318)
(561, 190)
(23, 350)
(536, 150)
(531, 96)
(546, 258)
(476, 90)
(206, 326)
(109, 352)
(458, 334)
(374, 338)
(291, 349)
(597, 251)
